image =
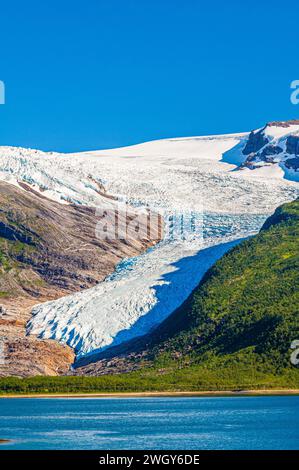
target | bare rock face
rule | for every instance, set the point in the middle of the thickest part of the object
(27, 356)
(55, 244)
(48, 250)
(267, 146)
(270, 151)
(256, 142)
(285, 124)
(292, 163)
(292, 145)
(292, 148)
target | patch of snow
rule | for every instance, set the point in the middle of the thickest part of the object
(264, 170)
(277, 132)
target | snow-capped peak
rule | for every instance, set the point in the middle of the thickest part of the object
(278, 129)
(275, 144)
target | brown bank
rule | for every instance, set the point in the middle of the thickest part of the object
(48, 250)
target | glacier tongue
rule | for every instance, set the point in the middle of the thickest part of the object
(140, 295)
(174, 176)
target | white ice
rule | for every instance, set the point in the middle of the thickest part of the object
(195, 174)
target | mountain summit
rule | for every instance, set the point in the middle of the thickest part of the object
(276, 143)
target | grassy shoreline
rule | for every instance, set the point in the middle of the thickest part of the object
(208, 393)
(215, 378)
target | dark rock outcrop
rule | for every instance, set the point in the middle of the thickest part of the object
(258, 148)
(256, 142)
(285, 124)
(292, 163)
(270, 151)
(292, 145)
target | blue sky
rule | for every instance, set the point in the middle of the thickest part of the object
(98, 74)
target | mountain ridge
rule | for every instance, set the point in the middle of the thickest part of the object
(276, 142)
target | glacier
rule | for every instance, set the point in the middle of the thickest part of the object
(197, 175)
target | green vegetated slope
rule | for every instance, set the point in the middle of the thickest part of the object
(234, 332)
(241, 320)
(248, 301)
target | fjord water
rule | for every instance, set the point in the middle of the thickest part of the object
(151, 423)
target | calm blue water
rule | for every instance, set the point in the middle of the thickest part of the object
(151, 423)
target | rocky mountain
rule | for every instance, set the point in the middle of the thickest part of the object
(276, 143)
